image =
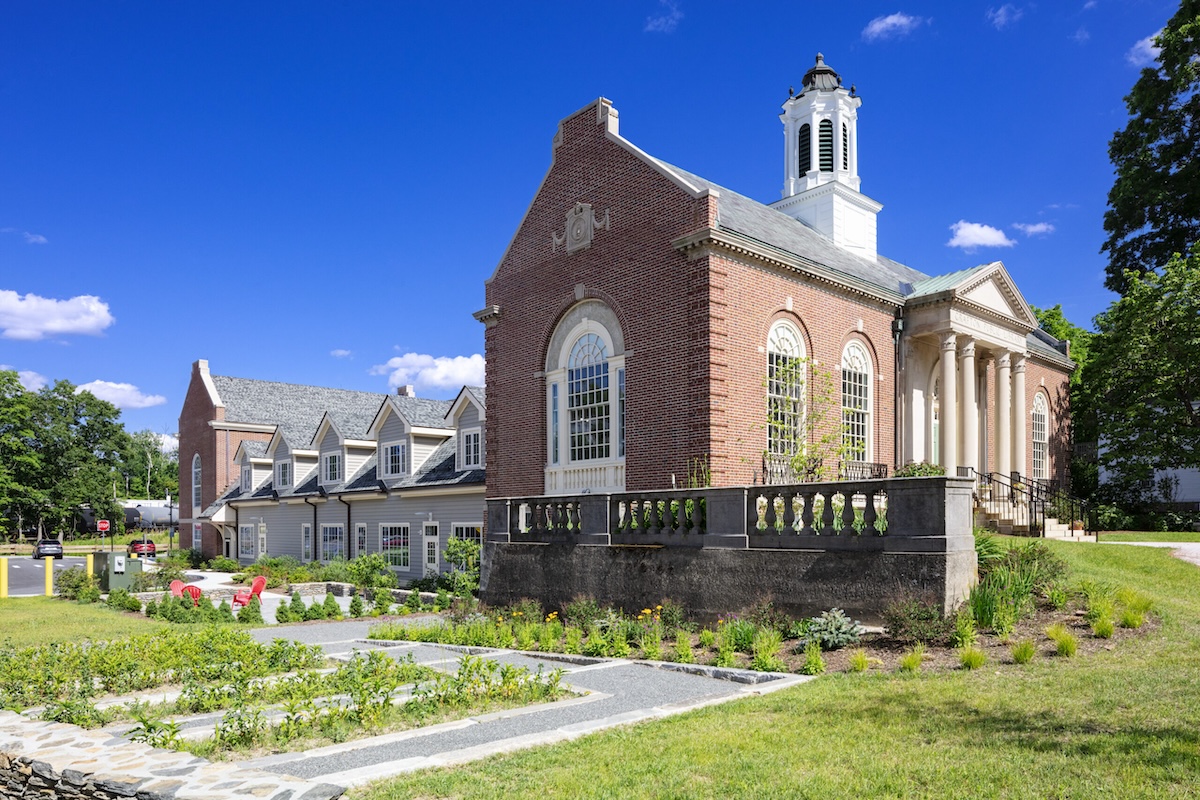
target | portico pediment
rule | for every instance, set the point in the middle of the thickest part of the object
(986, 292)
(993, 289)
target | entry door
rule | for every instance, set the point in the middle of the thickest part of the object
(430, 536)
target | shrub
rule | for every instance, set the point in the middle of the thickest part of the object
(814, 662)
(463, 557)
(69, 582)
(1102, 628)
(988, 549)
(371, 571)
(766, 646)
(88, 594)
(671, 613)
(251, 613)
(223, 564)
(582, 611)
(121, 600)
(683, 647)
(919, 469)
(315, 611)
(574, 641)
(1023, 651)
(1057, 597)
(707, 638)
(413, 601)
(971, 658)
(332, 609)
(915, 620)
(763, 614)
(964, 634)
(833, 630)
(911, 661)
(1131, 618)
(283, 614)
(356, 606)
(859, 661)
(739, 633)
(297, 606)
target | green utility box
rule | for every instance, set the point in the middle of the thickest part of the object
(115, 570)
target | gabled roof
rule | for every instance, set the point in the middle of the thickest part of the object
(988, 287)
(418, 412)
(438, 470)
(253, 450)
(468, 394)
(294, 408)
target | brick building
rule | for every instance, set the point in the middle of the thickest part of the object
(644, 321)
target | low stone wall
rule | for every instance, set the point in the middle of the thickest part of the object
(711, 582)
(53, 760)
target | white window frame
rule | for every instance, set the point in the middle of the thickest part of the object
(430, 535)
(1041, 445)
(332, 534)
(306, 542)
(360, 538)
(326, 461)
(470, 457)
(246, 537)
(386, 460)
(461, 528)
(247, 478)
(785, 350)
(857, 400)
(397, 554)
(197, 483)
(283, 474)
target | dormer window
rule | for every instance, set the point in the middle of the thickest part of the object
(331, 468)
(471, 456)
(283, 474)
(395, 459)
(247, 479)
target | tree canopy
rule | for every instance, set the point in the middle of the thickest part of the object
(1145, 372)
(1154, 204)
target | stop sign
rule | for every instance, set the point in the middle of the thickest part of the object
(102, 525)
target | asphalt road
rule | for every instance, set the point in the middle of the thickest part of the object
(28, 577)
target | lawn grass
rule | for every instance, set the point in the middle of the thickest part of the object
(31, 621)
(1151, 536)
(1120, 723)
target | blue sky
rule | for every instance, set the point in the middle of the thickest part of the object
(316, 192)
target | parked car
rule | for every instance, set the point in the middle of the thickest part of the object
(142, 547)
(48, 548)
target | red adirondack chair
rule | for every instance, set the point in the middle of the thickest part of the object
(192, 592)
(242, 598)
(176, 588)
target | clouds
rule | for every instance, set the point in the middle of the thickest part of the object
(665, 22)
(167, 443)
(121, 395)
(32, 381)
(339, 353)
(31, 317)
(1004, 16)
(970, 235)
(1144, 53)
(893, 26)
(429, 372)
(30, 238)
(1035, 228)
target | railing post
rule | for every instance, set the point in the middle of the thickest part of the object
(500, 522)
(726, 514)
(594, 523)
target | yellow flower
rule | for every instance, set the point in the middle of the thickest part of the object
(659, 608)
(645, 611)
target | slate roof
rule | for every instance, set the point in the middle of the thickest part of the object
(438, 470)
(750, 218)
(255, 449)
(478, 394)
(421, 412)
(941, 283)
(296, 409)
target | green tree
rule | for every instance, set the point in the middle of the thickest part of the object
(150, 471)
(1145, 370)
(1154, 204)
(1084, 474)
(806, 429)
(19, 460)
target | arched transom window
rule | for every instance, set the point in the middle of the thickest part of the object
(785, 390)
(1041, 438)
(856, 402)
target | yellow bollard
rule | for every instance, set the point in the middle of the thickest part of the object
(90, 565)
(49, 576)
(3, 578)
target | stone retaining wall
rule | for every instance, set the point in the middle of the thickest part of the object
(53, 760)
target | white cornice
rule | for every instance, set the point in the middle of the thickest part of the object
(244, 427)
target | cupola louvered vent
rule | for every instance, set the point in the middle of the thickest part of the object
(826, 145)
(845, 147)
(805, 137)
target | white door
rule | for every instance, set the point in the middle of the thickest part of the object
(430, 531)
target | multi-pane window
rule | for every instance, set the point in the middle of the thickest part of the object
(472, 452)
(785, 390)
(331, 471)
(587, 399)
(306, 542)
(856, 402)
(1041, 438)
(394, 544)
(247, 479)
(394, 459)
(333, 542)
(360, 539)
(469, 530)
(197, 475)
(430, 531)
(246, 541)
(283, 474)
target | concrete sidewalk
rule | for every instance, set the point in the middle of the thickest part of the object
(612, 692)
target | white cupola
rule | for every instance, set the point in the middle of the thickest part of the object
(820, 186)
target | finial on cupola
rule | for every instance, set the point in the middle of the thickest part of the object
(791, 91)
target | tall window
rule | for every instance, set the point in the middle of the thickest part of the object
(306, 542)
(394, 459)
(360, 539)
(587, 399)
(825, 145)
(247, 479)
(332, 468)
(333, 542)
(246, 541)
(472, 449)
(1041, 438)
(856, 402)
(197, 476)
(283, 474)
(805, 149)
(394, 542)
(785, 390)
(430, 531)
(554, 424)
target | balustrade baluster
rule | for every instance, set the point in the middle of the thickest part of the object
(848, 512)
(770, 515)
(827, 513)
(869, 516)
(789, 511)
(806, 515)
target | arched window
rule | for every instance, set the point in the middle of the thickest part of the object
(197, 476)
(856, 402)
(825, 145)
(785, 390)
(585, 402)
(805, 149)
(845, 147)
(588, 406)
(1041, 438)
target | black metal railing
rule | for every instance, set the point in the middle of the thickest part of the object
(1029, 505)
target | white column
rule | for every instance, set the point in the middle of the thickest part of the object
(949, 406)
(1003, 415)
(1018, 415)
(970, 413)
